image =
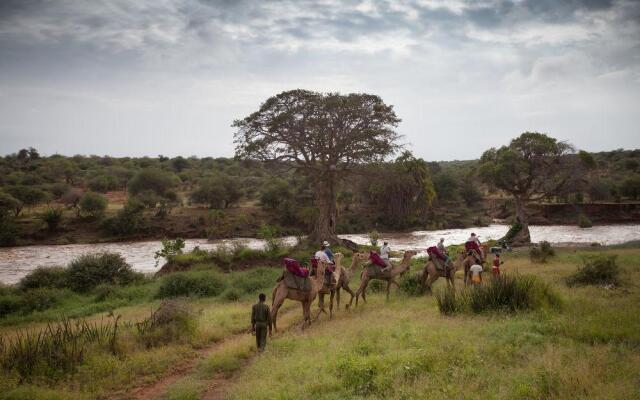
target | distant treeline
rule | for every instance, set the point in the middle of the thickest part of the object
(404, 193)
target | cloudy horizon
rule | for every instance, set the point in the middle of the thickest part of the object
(169, 76)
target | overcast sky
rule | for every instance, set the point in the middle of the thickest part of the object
(170, 76)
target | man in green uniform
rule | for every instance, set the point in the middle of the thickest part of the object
(260, 320)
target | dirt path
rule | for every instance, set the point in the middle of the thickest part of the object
(216, 387)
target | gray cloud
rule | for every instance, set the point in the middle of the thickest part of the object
(169, 76)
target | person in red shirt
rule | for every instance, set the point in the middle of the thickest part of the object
(495, 269)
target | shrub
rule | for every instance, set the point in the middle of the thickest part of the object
(584, 221)
(9, 303)
(217, 192)
(270, 234)
(542, 252)
(504, 293)
(374, 236)
(104, 291)
(93, 204)
(255, 280)
(90, 270)
(40, 299)
(411, 284)
(172, 321)
(170, 248)
(128, 220)
(8, 231)
(232, 294)
(44, 277)
(153, 180)
(200, 283)
(52, 218)
(600, 269)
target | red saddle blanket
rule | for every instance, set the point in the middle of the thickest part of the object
(376, 259)
(295, 268)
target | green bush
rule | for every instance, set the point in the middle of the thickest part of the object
(542, 252)
(93, 204)
(255, 280)
(232, 294)
(600, 269)
(8, 231)
(40, 299)
(9, 304)
(411, 284)
(127, 221)
(90, 270)
(584, 221)
(44, 277)
(52, 218)
(504, 293)
(199, 283)
(172, 321)
(364, 375)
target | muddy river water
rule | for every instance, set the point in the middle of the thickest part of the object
(15, 262)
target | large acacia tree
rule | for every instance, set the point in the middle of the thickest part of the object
(533, 167)
(323, 136)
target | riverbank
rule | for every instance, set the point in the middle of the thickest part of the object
(16, 262)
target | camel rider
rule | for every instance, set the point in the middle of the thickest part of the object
(321, 255)
(327, 250)
(261, 321)
(436, 251)
(474, 243)
(441, 247)
(384, 254)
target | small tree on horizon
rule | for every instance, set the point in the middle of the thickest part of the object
(323, 136)
(533, 167)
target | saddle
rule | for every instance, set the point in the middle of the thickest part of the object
(297, 282)
(437, 262)
(375, 271)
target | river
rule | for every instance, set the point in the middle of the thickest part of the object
(15, 262)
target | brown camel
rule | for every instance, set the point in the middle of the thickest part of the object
(389, 276)
(430, 273)
(282, 292)
(331, 289)
(345, 278)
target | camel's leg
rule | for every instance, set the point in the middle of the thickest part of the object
(364, 291)
(348, 289)
(338, 297)
(278, 299)
(430, 280)
(423, 278)
(306, 312)
(388, 288)
(333, 293)
(361, 290)
(320, 306)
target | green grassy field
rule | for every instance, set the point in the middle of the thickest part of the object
(400, 349)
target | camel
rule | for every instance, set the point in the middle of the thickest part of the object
(389, 276)
(345, 278)
(331, 289)
(430, 273)
(469, 260)
(282, 292)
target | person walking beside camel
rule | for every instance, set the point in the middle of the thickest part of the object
(476, 274)
(261, 321)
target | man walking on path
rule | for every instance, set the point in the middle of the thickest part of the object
(260, 321)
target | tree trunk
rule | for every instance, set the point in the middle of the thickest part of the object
(326, 201)
(523, 237)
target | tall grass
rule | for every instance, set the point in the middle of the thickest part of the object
(541, 253)
(56, 350)
(504, 293)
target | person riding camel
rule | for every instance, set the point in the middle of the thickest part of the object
(473, 243)
(438, 251)
(321, 255)
(327, 251)
(384, 254)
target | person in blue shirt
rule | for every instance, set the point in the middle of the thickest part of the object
(327, 250)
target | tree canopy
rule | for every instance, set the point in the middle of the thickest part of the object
(324, 136)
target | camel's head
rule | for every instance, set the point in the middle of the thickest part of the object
(409, 254)
(338, 257)
(360, 256)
